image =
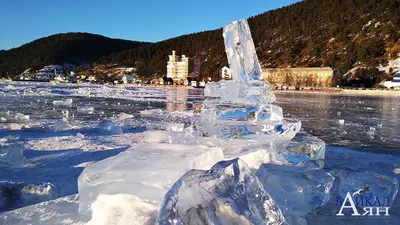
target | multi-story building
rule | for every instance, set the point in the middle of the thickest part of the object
(181, 68)
(308, 76)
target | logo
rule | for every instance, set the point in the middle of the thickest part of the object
(360, 205)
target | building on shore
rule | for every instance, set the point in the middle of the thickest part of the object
(128, 79)
(225, 73)
(181, 68)
(302, 77)
(51, 71)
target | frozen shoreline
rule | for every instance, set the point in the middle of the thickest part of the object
(389, 93)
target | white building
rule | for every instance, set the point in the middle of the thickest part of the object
(181, 68)
(51, 71)
(225, 73)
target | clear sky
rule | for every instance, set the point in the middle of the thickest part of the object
(22, 21)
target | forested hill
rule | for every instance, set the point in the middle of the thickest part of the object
(75, 48)
(337, 33)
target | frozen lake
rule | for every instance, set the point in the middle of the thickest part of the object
(59, 139)
(343, 120)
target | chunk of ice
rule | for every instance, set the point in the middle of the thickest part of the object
(124, 116)
(176, 127)
(15, 126)
(296, 189)
(85, 109)
(109, 127)
(229, 91)
(122, 209)
(241, 53)
(21, 117)
(242, 112)
(66, 102)
(62, 125)
(150, 112)
(3, 120)
(156, 137)
(228, 193)
(146, 171)
(303, 147)
(80, 135)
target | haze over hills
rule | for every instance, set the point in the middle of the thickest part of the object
(337, 33)
(74, 48)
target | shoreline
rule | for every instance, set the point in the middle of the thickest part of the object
(393, 93)
(338, 91)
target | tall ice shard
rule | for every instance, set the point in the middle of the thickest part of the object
(242, 56)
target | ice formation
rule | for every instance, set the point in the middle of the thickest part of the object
(240, 162)
(145, 171)
(228, 193)
(122, 209)
(297, 189)
(109, 127)
(241, 118)
(21, 117)
(66, 102)
(243, 108)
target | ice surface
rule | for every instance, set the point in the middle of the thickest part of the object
(241, 53)
(11, 155)
(146, 171)
(56, 212)
(296, 189)
(228, 193)
(367, 185)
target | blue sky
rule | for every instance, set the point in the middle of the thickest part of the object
(22, 21)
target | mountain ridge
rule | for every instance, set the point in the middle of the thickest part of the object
(342, 34)
(72, 47)
(338, 33)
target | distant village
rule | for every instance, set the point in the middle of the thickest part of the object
(185, 71)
